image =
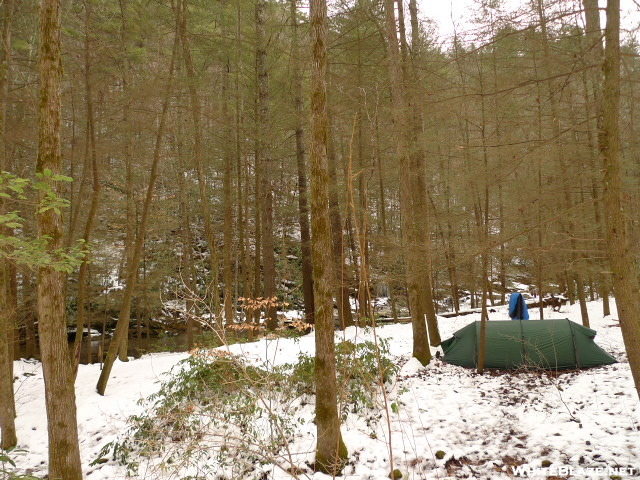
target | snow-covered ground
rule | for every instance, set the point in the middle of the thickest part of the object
(575, 425)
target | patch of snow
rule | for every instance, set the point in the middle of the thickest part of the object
(412, 367)
(483, 425)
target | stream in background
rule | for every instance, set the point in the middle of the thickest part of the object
(96, 346)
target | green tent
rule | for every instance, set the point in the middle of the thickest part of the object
(513, 344)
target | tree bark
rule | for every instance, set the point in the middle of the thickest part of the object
(187, 270)
(619, 247)
(569, 227)
(7, 400)
(595, 54)
(227, 265)
(60, 400)
(263, 156)
(182, 13)
(91, 152)
(28, 313)
(331, 452)
(417, 280)
(303, 201)
(345, 316)
(419, 165)
(126, 144)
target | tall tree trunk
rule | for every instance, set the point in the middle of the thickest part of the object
(360, 235)
(419, 165)
(132, 207)
(263, 156)
(7, 400)
(619, 248)
(417, 280)
(569, 227)
(345, 316)
(257, 235)
(122, 328)
(188, 270)
(484, 227)
(382, 218)
(331, 452)
(131, 214)
(227, 265)
(540, 232)
(359, 213)
(182, 14)
(451, 257)
(60, 399)
(595, 55)
(602, 277)
(503, 261)
(241, 167)
(91, 152)
(303, 202)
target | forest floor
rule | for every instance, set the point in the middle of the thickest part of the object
(446, 421)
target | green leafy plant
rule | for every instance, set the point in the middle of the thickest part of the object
(223, 418)
(214, 413)
(8, 466)
(34, 252)
(359, 374)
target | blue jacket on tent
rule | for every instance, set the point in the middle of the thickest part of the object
(517, 307)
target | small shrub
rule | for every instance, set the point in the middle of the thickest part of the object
(395, 475)
(214, 413)
(222, 418)
(358, 373)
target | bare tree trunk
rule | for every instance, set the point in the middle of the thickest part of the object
(7, 401)
(257, 270)
(417, 281)
(28, 313)
(382, 217)
(182, 12)
(331, 452)
(360, 235)
(132, 213)
(503, 269)
(60, 399)
(601, 278)
(555, 124)
(450, 248)
(621, 257)
(359, 213)
(227, 265)
(95, 197)
(241, 167)
(188, 271)
(303, 202)
(263, 156)
(127, 135)
(345, 316)
(418, 169)
(595, 55)
(122, 328)
(540, 233)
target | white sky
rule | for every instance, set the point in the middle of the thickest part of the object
(446, 12)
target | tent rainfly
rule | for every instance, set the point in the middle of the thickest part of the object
(514, 344)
